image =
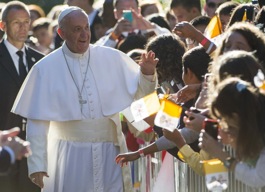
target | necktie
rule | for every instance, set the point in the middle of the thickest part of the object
(22, 67)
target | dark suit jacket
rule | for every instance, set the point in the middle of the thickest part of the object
(10, 85)
(5, 161)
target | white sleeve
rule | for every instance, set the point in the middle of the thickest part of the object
(252, 176)
(106, 41)
(160, 30)
(147, 85)
(37, 132)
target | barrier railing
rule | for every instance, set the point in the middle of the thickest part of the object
(145, 171)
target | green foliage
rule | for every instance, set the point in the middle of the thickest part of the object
(46, 5)
(243, 1)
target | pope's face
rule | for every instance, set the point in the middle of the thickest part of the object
(76, 32)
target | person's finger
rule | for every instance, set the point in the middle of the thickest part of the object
(117, 159)
(10, 133)
(186, 119)
(13, 132)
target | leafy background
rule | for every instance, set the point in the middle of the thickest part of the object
(48, 4)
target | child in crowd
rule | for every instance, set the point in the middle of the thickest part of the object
(40, 29)
(240, 108)
(224, 12)
(192, 73)
(185, 10)
(233, 64)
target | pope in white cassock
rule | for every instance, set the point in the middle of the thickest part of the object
(72, 100)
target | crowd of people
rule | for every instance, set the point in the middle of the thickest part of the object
(67, 75)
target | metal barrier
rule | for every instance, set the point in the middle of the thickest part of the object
(189, 181)
(145, 171)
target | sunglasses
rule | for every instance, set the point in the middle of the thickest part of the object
(213, 5)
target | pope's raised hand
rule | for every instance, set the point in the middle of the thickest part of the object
(148, 63)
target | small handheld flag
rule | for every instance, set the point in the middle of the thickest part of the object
(214, 28)
(216, 175)
(244, 18)
(145, 107)
(168, 115)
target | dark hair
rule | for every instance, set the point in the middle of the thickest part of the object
(13, 5)
(136, 54)
(197, 60)
(115, 2)
(159, 20)
(187, 4)
(226, 8)
(260, 17)
(235, 97)
(239, 11)
(261, 3)
(236, 63)
(132, 42)
(200, 20)
(37, 9)
(169, 49)
(254, 37)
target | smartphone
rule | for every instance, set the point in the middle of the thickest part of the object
(211, 127)
(127, 14)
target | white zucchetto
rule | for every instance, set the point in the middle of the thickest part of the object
(66, 11)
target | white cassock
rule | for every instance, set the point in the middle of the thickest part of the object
(83, 139)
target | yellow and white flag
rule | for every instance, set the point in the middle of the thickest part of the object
(244, 18)
(214, 28)
(145, 107)
(216, 175)
(168, 115)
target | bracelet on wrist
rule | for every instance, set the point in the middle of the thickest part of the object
(210, 48)
(204, 41)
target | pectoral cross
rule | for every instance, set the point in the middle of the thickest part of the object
(81, 100)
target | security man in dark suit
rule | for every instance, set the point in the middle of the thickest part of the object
(16, 59)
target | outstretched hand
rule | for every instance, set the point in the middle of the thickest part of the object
(124, 158)
(193, 120)
(148, 63)
(185, 30)
(185, 94)
(20, 147)
(211, 146)
(4, 135)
